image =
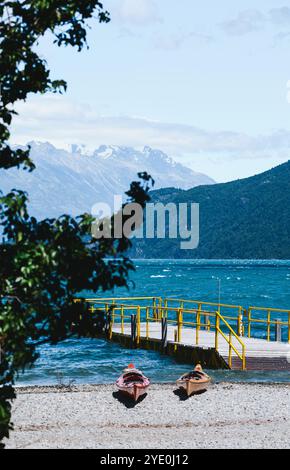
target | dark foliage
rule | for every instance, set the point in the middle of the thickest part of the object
(44, 264)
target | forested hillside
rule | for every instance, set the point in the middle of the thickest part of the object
(247, 218)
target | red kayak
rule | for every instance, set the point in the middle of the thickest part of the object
(133, 382)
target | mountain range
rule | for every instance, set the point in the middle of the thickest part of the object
(73, 181)
(243, 219)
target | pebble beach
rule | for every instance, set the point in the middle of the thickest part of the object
(98, 417)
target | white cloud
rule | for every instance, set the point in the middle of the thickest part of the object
(247, 21)
(175, 41)
(137, 12)
(62, 122)
(280, 16)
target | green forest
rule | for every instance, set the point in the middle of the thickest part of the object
(246, 219)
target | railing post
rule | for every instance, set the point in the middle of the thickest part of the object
(230, 350)
(154, 308)
(217, 326)
(269, 325)
(244, 367)
(138, 324)
(249, 315)
(179, 325)
(122, 319)
(160, 312)
(147, 321)
(199, 308)
(243, 313)
(164, 333)
(278, 331)
(197, 327)
(208, 324)
(240, 324)
(109, 326)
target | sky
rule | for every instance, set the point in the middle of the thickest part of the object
(207, 82)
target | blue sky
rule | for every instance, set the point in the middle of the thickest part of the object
(204, 81)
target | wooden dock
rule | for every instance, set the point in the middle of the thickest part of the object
(216, 335)
(260, 354)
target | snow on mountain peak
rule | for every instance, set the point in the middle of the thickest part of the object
(66, 182)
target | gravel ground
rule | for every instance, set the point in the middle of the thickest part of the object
(96, 416)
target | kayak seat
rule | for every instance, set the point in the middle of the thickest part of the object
(133, 378)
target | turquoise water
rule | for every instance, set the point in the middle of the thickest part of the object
(246, 283)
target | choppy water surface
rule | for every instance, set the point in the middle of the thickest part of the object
(246, 283)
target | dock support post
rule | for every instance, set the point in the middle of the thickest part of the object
(175, 340)
(217, 326)
(164, 332)
(133, 330)
(278, 331)
(109, 326)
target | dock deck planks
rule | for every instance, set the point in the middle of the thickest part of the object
(260, 354)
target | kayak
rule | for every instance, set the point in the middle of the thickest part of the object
(194, 382)
(133, 383)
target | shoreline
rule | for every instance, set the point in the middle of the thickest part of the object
(76, 388)
(228, 415)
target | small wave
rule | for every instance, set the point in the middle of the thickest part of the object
(158, 276)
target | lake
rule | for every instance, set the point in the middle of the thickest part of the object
(245, 283)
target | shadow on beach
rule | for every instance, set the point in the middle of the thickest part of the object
(179, 392)
(126, 400)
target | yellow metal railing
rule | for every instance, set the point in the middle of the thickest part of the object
(242, 319)
(182, 318)
(156, 301)
(268, 321)
(109, 301)
(229, 339)
(222, 319)
(225, 309)
(218, 321)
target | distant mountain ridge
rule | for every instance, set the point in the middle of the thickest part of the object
(73, 181)
(243, 219)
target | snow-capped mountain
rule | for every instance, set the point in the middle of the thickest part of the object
(73, 181)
